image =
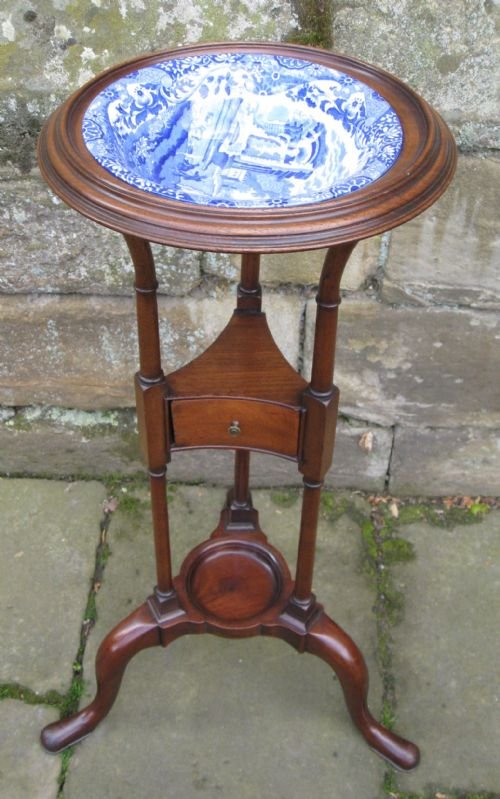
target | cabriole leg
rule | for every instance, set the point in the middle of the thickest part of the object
(138, 631)
(328, 641)
(320, 635)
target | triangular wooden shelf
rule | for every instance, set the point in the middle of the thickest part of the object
(232, 368)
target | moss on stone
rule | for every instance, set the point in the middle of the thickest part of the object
(118, 483)
(132, 505)
(71, 701)
(18, 134)
(30, 697)
(472, 515)
(334, 505)
(65, 761)
(7, 52)
(408, 514)
(315, 23)
(90, 614)
(370, 544)
(391, 790)
(285, 499)
(19, 423)
(128, 448)
(440, 515)
(389, 784)
(387, 715)
(396, 550)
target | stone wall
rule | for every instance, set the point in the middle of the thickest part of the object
(419, 349)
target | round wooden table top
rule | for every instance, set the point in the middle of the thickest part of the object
(247, 147)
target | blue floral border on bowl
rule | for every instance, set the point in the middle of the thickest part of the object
(242, 130)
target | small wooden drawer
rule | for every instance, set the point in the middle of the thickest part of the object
(234, 423)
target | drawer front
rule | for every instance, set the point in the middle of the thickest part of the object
(235, 423)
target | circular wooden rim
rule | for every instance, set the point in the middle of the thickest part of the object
(419, 176)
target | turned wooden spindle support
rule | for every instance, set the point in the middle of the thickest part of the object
(241, 495)
(239, 501)
(321, 403)
(150, 403)
(249, 293)
(325, 335)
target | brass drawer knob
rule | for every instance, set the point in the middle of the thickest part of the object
(234, 428)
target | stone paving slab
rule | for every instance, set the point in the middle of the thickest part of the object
(251, 718)
(49, 533)
(26, 771)
(230, 718)
(447, 655)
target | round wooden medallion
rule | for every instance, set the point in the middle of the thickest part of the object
(232, 580)
(265, 147)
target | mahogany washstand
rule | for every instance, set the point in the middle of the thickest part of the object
(242, 148)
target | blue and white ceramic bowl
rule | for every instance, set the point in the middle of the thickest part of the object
(242, 130)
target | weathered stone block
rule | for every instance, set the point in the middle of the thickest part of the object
(224, 267)
(304, 268)
(57, 442)
(68, 43)
(361, 458)
(81, 352)
(354, 465)
(448, 55)
(46, 247)
(70, 351)
(6, 415)
(53, 48)
(451, 253)
(416, 366)
(441, 461)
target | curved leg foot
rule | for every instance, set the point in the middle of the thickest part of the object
(138, 631)
(327, 640)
